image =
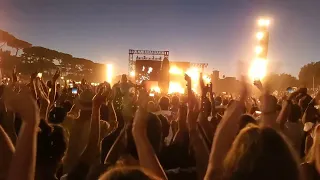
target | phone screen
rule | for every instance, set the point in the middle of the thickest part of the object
(74, 91)
(151, 94)
(290, 90)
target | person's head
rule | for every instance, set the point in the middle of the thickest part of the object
(51, 147)
(151, 106)
(304, 102)
(164, 103)
(124, 78)
(132, 173)
(246, 119)
(261, 153)
(295, 113)
(218, 101)
(49, 84)
(57, 115)
(66, 105)
(269, 104)
(175, 101)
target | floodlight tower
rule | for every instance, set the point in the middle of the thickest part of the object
(259, 65)
(263, 39)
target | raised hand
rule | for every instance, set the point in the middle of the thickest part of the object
(22, 103)
(99, 98)
(56, 75)
(258, 84)
(187, 78)
(14, 75)
(139, 123)
(33, 76)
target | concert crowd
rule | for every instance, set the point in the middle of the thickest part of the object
(49, 131)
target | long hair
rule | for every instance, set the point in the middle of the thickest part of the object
(314, 150)
(128, 173)
(261, 153)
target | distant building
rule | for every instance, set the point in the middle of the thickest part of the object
(226, 84)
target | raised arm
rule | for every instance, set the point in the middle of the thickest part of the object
(112, 117)
(205, 112)
(92, 151)
(182, 125)
(6, 152)
(147, 156)
(198, 144)
(225, 133)
(23, 163)
(44, 100)
(52, 93)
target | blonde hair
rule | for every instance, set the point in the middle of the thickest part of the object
(126, 172)
(314, 150)
(261, 153)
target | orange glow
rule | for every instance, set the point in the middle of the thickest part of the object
(206, 79)
(175, 70)
(175, 87)
(258, 69)
(155, 89)
(132, 74)
(109, 73)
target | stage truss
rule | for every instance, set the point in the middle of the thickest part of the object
(145, 55)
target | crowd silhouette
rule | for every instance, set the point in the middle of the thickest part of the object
(120, 132)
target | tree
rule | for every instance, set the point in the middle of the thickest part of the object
(281, 81)
(310, 72)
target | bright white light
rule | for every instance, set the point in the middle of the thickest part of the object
(258, 69)
(258, 50)
(260, 35)
(132, 74)
(150, 70)
(206, 79)
(143, 68)
(109, 73)
(175, 87)
(194, 74)
(39, 75)
(264, 22)
(175, 70)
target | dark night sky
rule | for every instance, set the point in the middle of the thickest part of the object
(218, 32)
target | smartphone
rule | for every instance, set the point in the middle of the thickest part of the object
(74, 91)
(151, 94)
(290, 90)
(39, 75)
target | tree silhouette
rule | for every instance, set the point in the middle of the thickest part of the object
(309, 72)
(281, 81)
